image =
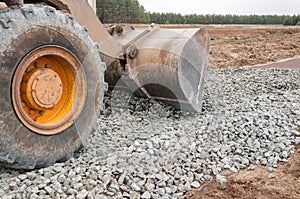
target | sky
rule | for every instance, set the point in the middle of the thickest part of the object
(260, 7)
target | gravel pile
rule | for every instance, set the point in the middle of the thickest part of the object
(144, 149)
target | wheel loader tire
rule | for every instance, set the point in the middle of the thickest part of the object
(47, 52)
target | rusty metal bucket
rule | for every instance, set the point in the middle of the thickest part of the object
(164, 64)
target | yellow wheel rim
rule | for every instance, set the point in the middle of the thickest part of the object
(49, 90)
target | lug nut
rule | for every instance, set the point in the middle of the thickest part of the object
(31, 111)
(47, 66)
(42, 113)
(36, 64)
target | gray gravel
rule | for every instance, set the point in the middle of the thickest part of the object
(148, 150)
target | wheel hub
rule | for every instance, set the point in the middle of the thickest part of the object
(43, 89)
(49, 90)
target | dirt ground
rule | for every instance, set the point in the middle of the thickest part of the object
(252, 45)
(256, 184)
(244, 46)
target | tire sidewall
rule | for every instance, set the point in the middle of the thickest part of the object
(19, 146)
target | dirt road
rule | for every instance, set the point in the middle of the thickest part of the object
(251, 45)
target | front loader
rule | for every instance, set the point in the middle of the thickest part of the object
(55, 59)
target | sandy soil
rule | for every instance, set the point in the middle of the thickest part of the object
(252, 45)
(256, 184)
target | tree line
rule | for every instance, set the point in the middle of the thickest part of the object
(171, 18)
(130, 11)
(121, 11)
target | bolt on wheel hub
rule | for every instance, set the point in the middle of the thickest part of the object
(49, 90)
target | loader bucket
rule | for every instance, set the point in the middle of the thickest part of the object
(163, 64)
(166, 64)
